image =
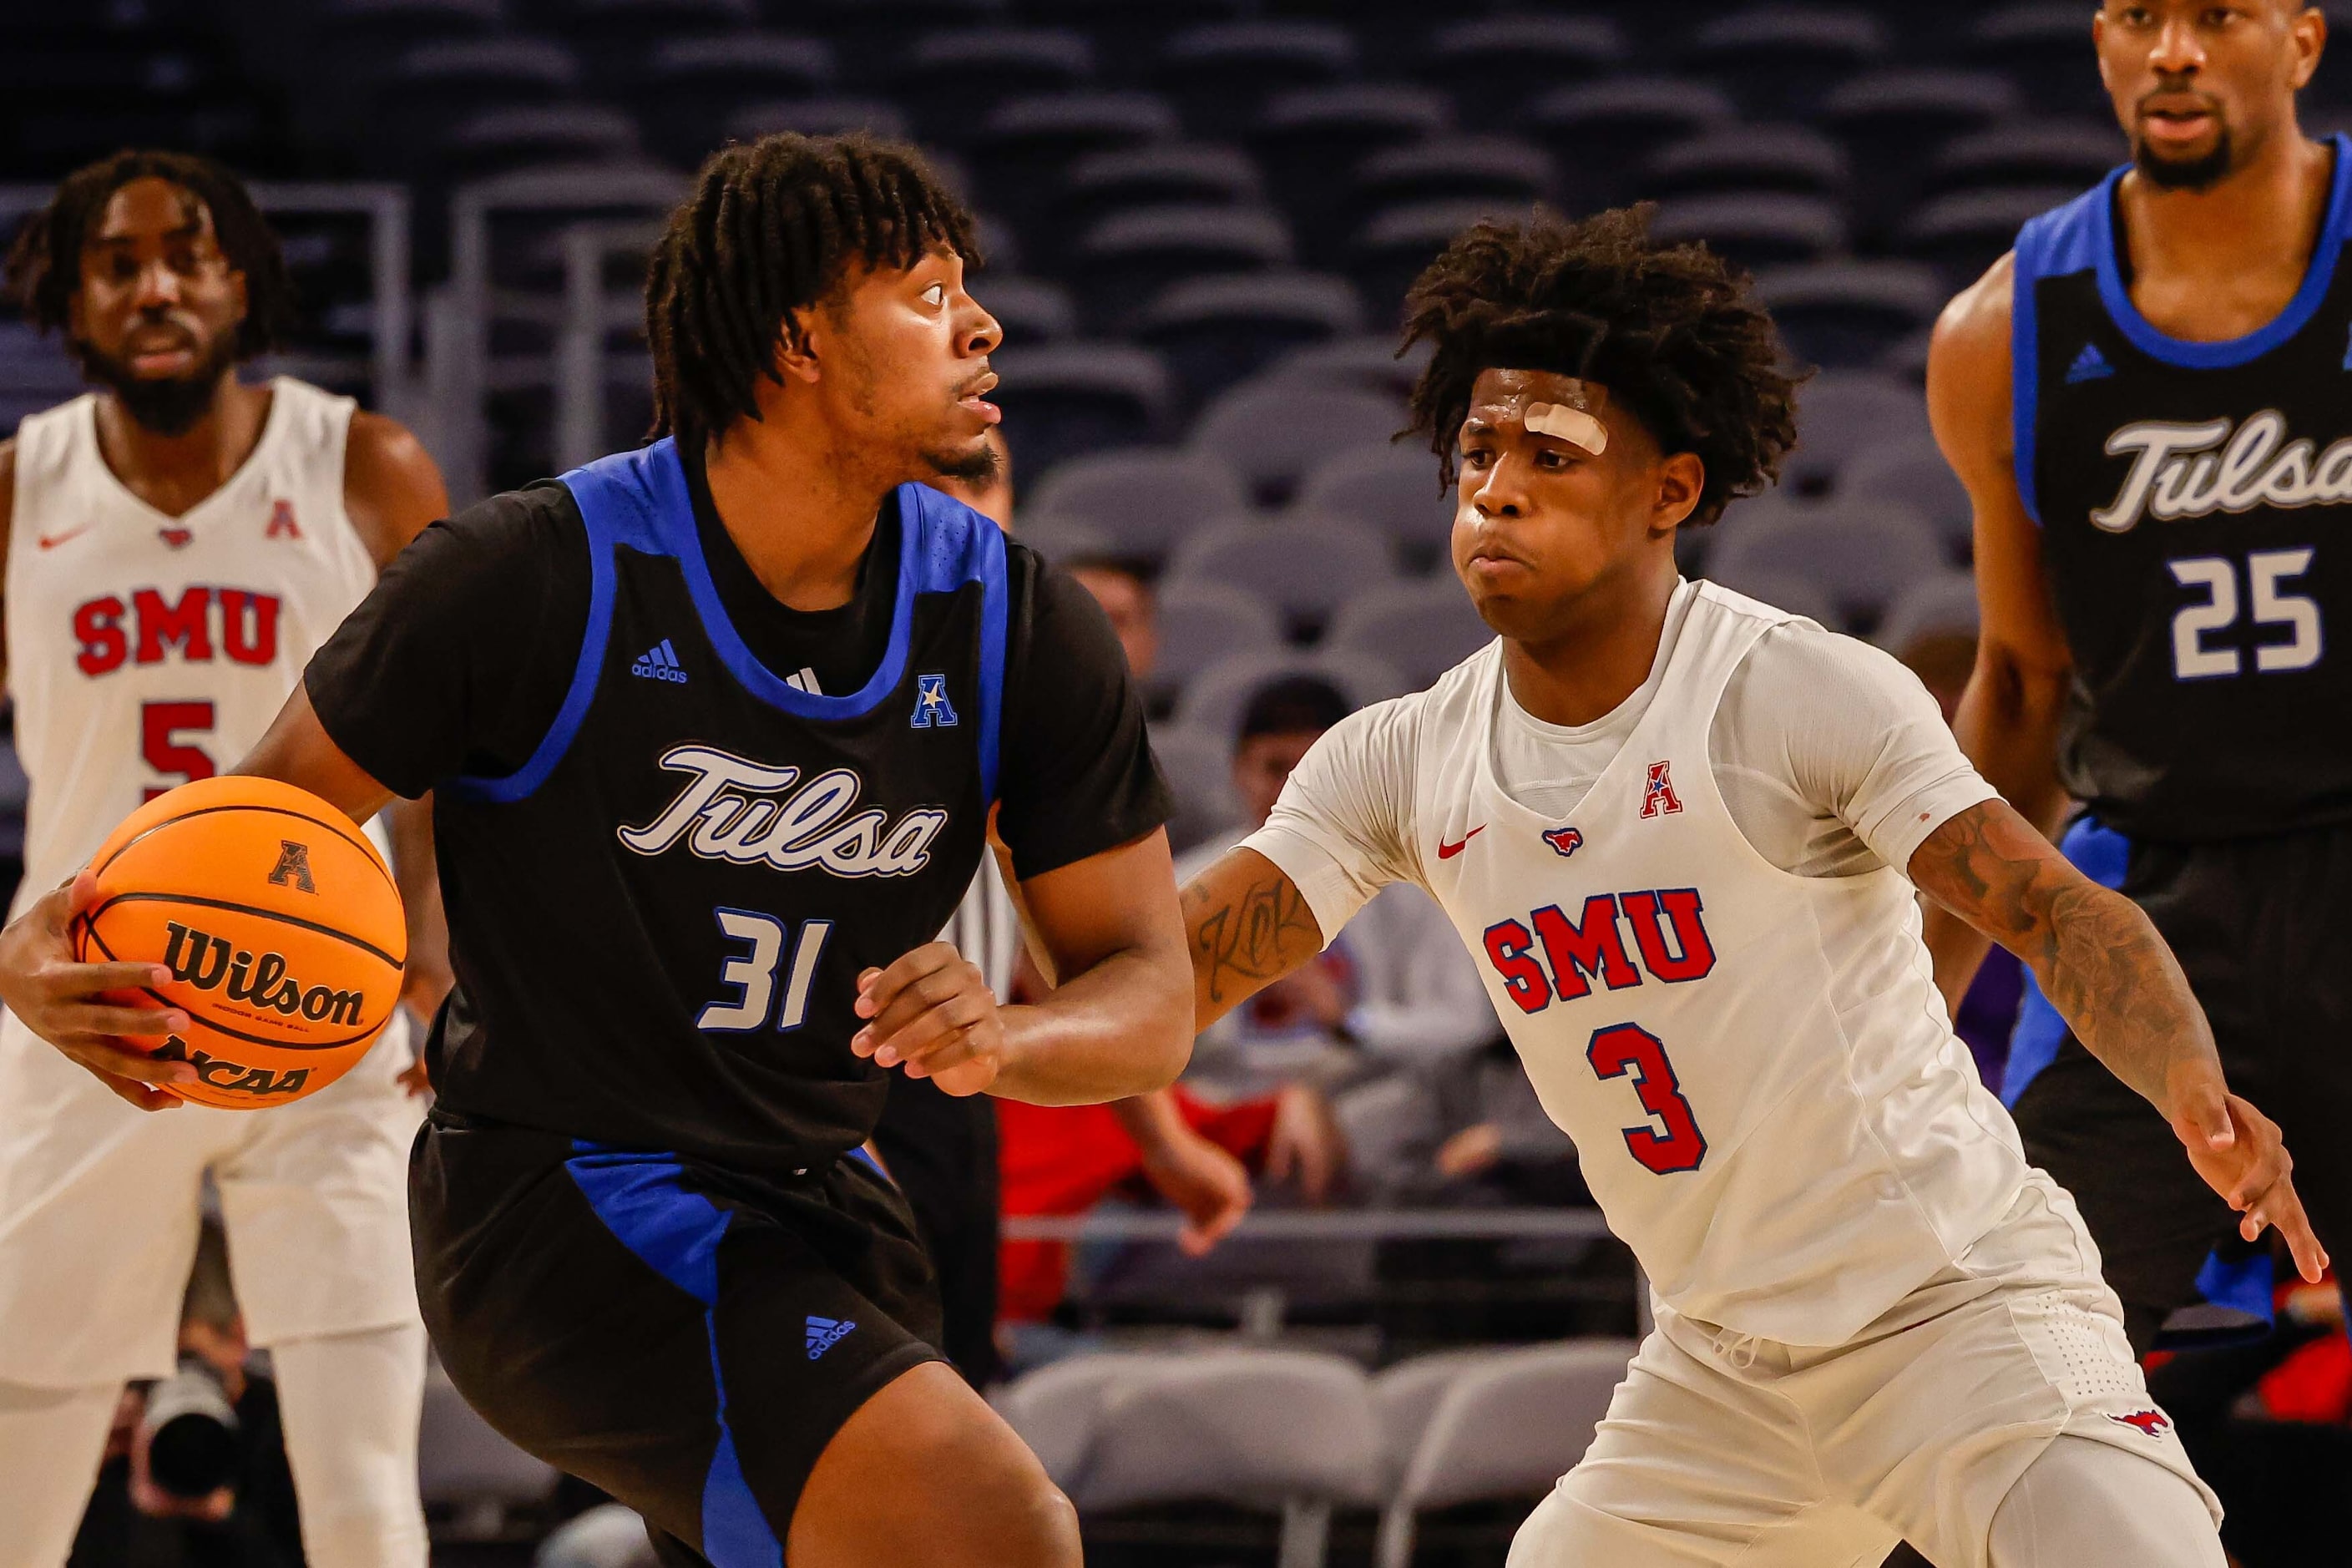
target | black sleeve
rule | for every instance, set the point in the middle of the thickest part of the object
(459, 659)
(1076, 776)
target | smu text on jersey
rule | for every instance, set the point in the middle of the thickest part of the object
(203, 623)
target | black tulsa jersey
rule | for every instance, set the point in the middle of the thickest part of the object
(663, 864)
(2194, 501)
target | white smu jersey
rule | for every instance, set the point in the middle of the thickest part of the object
(145, 650)
(1765, 1091)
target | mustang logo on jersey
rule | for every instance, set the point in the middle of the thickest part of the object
(245, 629)
(751, 814)
(2195, 470)
(1565, 841)
(1577, 952)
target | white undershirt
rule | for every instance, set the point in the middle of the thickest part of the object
(1831, 757)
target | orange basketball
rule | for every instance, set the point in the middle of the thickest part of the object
(279, 922)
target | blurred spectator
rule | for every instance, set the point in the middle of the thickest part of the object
(1942, 660)
(195, 1473)
(1120, 588)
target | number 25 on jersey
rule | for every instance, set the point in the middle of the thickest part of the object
(2266, 604)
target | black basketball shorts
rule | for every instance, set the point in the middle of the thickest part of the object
(2263, 928)
(687, 1340)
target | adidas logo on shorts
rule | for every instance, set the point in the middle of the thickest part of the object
(660, 663)
(823, 1333)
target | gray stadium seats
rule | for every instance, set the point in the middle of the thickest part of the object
(1141, 502)
(691, 87)
(1057, 1409)
(616, 36)
(830, 116)
(953, 76)
(1493, 64)
(1311, 140)
(432, 86)
(1406, 1395)
(1273, 432)
(1841, 414)
(1508, 1427)
(1749, 158)
(1306, 567)
(1027, 142)
(1887, 118)
(1603, 132)
(1219, 331)
(1391, 250)
(1390, 488)
(1062, 399)
(1030, 309)
(464, 1466)
(1213, 703)
(1783, 59)
(1274, 1429)
(1423, 629)
(1787, 591)
(362, 31)
(1502, 170)
(1201, 622)
(1368, 363)
(1062, 539)
(1222, 73)
(1765, 229)
(1862, 557)
(2046, 46)
(1159, 174)
(2072, 153)
(1127, 258)
(1945, 604)
(1963, 233)
(1912, 474)
(1200, 772)
(1846, 314)
(497, 140)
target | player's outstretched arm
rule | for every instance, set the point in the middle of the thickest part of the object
(86, 1010)
(2102, 963)
(1247, 926)
(1116, 1025)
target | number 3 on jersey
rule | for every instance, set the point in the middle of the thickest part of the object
(753, 973)
(2217, 577)
(1624, 1049)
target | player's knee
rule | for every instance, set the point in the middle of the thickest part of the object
(2093, 1505)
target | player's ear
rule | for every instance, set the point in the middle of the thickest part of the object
(797, 347)
(1682, 480)
(2310, 28)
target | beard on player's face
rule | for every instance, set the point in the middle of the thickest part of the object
(166, 405)
(980, 465)
(2203, 171)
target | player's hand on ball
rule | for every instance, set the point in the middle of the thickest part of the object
(86, 1010)
(2240, 1154)
(932, 1014)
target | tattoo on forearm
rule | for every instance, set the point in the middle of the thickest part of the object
(1254, 938)
(2097, 956)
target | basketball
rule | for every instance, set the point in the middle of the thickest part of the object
(279, 922)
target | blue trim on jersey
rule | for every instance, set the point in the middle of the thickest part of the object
(2102, 855)
(2059, 243)
(642, 1201)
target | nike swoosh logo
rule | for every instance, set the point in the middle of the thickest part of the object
(47, 542)
(1448, 852)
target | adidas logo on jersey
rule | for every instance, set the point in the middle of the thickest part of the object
(823, 1333)
(2195, 470)
(2089, 365)
(660, 663)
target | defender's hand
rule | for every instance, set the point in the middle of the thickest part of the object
(67, 1004)
(2239, 1153)
(933, 1014)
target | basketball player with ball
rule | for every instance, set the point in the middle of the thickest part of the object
(178, 544)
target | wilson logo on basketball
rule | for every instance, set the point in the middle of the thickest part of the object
(210, 962)
(233, 1078)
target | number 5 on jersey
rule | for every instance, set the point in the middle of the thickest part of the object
(753, 973)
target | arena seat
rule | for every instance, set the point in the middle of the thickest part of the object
(2075, 154)
(1368, 363)
(1200, 772)
(1025, 143)
(361, 32)
(2046, 46)
(1945, 604)
(1392, 247)
(1749, 158)
(1844, 315)
(1799, 595)
(1963, 233)
(1603, 132)
(1201, 622)
(430, 87)
(1763, 229)
(616, 36)
(1390, 488)
(498, 141)
(1311, 140)
(1912, 474)
(1887, 118)
(1306, 567)
(1062, 399)
(1507, 1426)
(1030, 309)
(953, 77)
(1405, 1398)
(1423, 629)
(1862, 557)
(1493, 64)
(1500, 169)
(1143, 502)
(827, 116)
(466, 1467)
(1057, 1409)
(1781, 60)
(1127, 258)
(1281, 1430)
(1841, 415)
(1216, 331)
(1158, 174)
(690, 86)
(1222, 73)
(1272, 432)
(1213, 703)
(1061, 540)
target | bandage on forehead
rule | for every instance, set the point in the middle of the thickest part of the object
(1575, 421)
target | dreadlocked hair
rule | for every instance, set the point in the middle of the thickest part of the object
(774, 226)
(44, 268)
(1671, 331)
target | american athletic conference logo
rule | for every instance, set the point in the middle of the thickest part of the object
(735, 809)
